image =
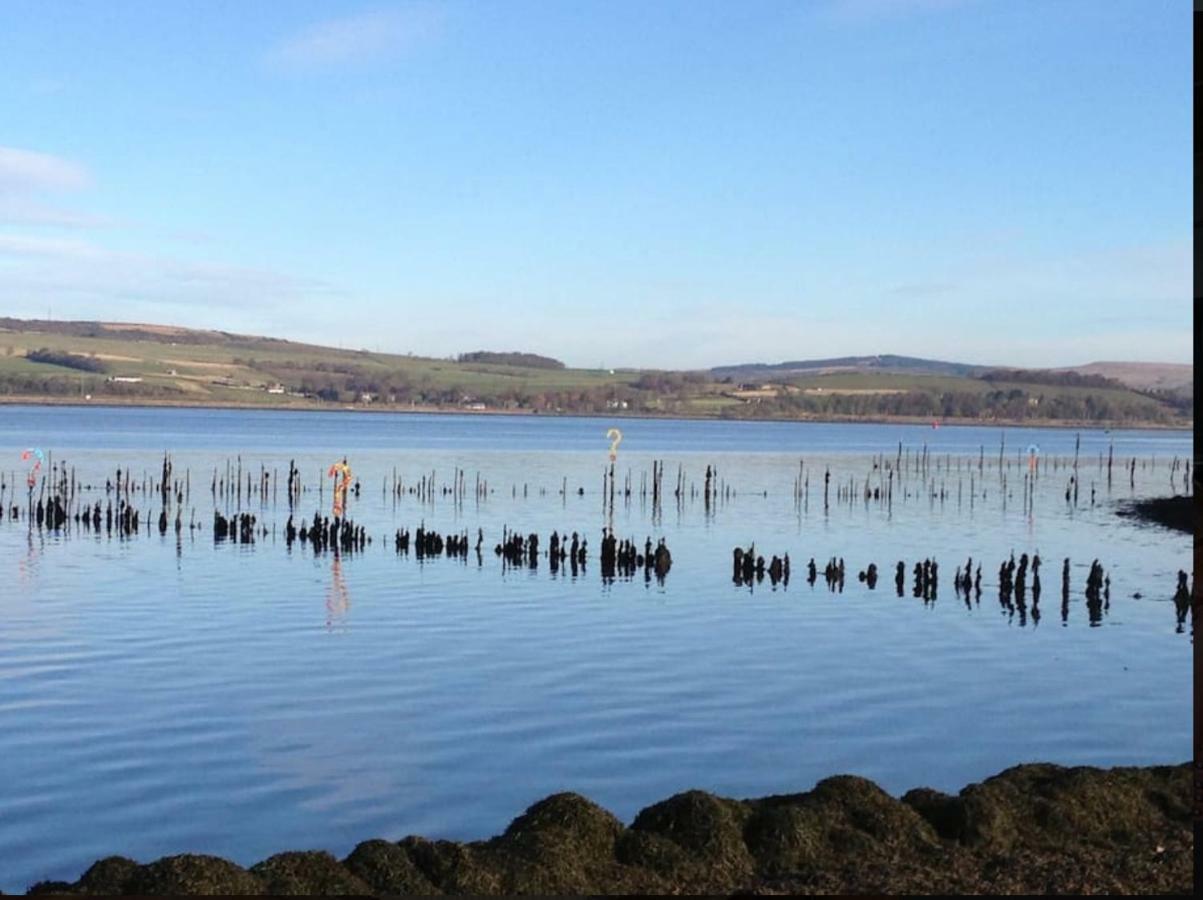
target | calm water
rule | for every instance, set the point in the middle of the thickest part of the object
(162, 694)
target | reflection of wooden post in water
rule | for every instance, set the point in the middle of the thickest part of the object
(1077, 447)
(338, 600)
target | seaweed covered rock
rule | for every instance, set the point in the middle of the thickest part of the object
(654, 852)
(562, 844)
(308, 873)
(945, 813)
(50, 889)
(564, 824)
(388, 868)
(708, 828)
(843, 818)
(1034, 828)
(1041, 806)
(192, 874)
(107, 876)
(786, 838)
(861, 805)
(453, 868)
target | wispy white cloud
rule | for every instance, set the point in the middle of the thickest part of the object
(27, 171)
(84, 278)
(363, 37)
(57, 266)
(26, 177)
(25, 246)
(23, 210)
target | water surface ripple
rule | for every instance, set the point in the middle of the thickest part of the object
(161, 695)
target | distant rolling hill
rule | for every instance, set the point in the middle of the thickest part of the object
(108, 362)
(1143, 376)
(884, 364)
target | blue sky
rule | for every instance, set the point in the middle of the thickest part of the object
(621, 183)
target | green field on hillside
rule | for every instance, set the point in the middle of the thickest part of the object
(158, 364)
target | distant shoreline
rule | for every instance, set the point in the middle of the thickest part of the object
(150, 403)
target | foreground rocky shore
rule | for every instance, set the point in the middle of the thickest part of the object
(1033, 828)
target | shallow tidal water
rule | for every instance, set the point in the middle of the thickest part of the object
(163, 694)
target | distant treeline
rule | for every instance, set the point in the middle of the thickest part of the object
(67, 360)
(301, 366)
(71, 386)
(513, 358)
(1012, 404)
(1181, 400)
(668, 382)
(1051, 377)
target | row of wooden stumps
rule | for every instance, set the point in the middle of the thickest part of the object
(748, 567)
(1012, 576)
(431, 543)
(652, 487)
(426, 488)
(231, 488)
(238, 485)
(241, 528)
(518, 549)
(337, 534)
(623, 558)
(56, 513)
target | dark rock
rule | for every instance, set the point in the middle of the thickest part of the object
(946, 814)
(451, 867)
(842, 817)
(565, 844)
(708, 827)
(784, 838)
(50, 888)
(656, 853)
(1043, 806)
(1031, 829)
(192, 874)
(388, 869)
(107, 876)
(308, 873)
(564, 825)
